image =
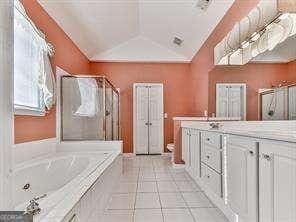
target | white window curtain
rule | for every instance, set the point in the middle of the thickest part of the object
(34, 84)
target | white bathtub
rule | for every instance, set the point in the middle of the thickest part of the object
(60, 177)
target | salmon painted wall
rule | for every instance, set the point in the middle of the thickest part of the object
(67, 56)
(178, 93)
(203, 61)
(256, 76)
(292, 70)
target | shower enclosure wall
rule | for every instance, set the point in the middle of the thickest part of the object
(89, 109)
(278, 103)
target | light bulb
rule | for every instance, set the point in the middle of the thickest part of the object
(245, 45)
(284, 16)
(255, 37)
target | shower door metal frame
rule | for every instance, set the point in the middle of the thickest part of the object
(60, 106)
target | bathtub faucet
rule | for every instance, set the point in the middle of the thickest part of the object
(33, 208)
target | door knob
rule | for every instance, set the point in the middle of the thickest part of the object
(266, 156)
(251, 152)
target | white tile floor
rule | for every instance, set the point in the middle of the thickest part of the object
(150, 190)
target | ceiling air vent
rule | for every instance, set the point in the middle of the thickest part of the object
(178, 41)
(204, 4)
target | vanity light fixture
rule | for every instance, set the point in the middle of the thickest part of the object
(245, 44)
(255, 36)
(283, 16)
(267, 25)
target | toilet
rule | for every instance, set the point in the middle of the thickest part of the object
(171, 147)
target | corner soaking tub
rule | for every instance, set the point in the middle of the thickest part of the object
(65, 178)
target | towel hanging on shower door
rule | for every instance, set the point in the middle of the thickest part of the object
(89, 106)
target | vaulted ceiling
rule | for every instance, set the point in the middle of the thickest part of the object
(136, 30)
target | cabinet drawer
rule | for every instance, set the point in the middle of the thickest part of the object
(212, 179)
(211, 139)
(212, 157)
(241, 141)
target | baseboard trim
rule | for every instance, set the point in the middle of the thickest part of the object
(128, 154)
(166, 154)
(178, 166)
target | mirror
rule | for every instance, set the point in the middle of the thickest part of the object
(270, 81)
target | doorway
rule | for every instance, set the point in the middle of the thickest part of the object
(148, 118)
(231, 100)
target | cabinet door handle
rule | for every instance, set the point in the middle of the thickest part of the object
(146, 124)
(208, 139)
(207, 156)
(208, 176)
(266, 156)
(251, 152)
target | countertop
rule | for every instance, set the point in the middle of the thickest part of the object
(275, 130)
(197, 118)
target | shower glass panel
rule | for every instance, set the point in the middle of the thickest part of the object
(115, 125)
(87, 108)
(109, 111)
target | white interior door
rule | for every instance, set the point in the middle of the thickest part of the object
(155, 119)
(222, 100)
(231, 100)
(292, 103)
(235, 101)
(148, 118)
(141, 125)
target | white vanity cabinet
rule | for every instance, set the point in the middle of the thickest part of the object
(277, 181)
(186, 147)
(249, 178)
(242, 176)
(191, 151)
(211, 161)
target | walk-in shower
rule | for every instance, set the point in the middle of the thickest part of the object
(89, 109)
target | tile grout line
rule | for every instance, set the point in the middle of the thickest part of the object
(188, 208)
(161, 209)
(133, 216)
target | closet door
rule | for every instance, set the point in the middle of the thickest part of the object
(235, 101)
(230, 100)
(222, 100)
(142, 119)
(155, 119)
(292, 103)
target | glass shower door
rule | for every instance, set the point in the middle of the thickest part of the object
(81, 109)
(115, 116)
(89, 109)
(109, 111)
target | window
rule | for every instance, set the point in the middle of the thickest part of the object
(28, 59)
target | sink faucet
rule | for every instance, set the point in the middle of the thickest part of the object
(215, 125)
(33, 207)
